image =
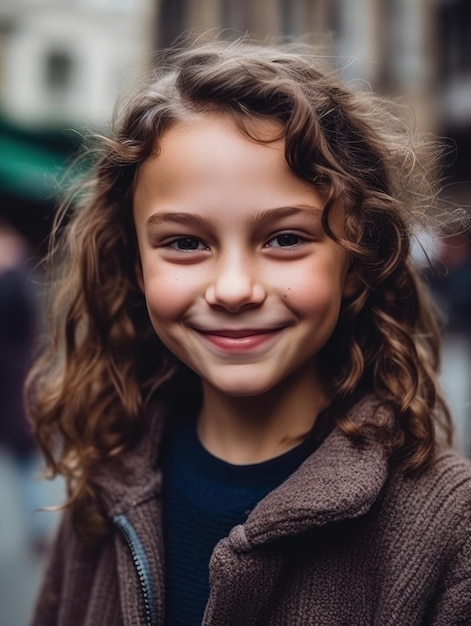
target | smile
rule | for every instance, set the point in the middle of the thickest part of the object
(239, 341)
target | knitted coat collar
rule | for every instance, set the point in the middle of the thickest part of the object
(340, 480)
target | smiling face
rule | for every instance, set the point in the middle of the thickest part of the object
(240, 280)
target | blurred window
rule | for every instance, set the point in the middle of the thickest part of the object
(59, 69)
(290, 16)
(455, 24)
(172, 21)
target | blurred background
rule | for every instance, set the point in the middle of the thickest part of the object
(63, 63)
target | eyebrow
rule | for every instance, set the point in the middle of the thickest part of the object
(259, 218)
(179, 217)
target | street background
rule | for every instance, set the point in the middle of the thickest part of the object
(63, 63)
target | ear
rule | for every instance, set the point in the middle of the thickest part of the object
(352, 283)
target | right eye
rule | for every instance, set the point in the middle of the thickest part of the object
(285, 240)
(187, 243)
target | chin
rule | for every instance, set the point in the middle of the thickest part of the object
(243, 388)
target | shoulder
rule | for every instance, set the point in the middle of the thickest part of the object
(444, 505)
(445, 484)
(446, 481)
(432, 508)
(451, 469)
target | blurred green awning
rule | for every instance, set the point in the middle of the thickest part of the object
(32, 162)
(27, 170)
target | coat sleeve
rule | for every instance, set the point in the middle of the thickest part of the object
(80, 584)
(452, 605)
(46, 612)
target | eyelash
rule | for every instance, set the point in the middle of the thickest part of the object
(291, 246)
(173, 244)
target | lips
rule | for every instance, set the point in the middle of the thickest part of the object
(237, 334)
(240, 340)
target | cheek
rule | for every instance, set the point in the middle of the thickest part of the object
(316, 305)
(168, 295)
(313, 293)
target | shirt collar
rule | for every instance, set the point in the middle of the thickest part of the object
(340, 480)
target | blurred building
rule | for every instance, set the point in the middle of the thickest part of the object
(66, 61)
(62, 66)
(454, 79)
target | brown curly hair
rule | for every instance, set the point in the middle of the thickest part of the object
(103, 360)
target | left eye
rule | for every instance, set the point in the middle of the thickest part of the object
(285, 240)
(188, 243)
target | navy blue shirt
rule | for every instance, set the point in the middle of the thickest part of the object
(203, 499)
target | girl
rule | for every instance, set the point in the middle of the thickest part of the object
(242, 387)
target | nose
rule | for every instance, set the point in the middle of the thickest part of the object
(235, 286)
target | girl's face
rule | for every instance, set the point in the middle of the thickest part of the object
(241, 282)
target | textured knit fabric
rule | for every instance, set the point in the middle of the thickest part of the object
(343, 541)
(203, 499)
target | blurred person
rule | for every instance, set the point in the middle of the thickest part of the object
(242, 387)
(18, 328)
(450, 281)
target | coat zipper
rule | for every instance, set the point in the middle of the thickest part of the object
(142, 566)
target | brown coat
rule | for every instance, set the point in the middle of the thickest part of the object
(343, 541)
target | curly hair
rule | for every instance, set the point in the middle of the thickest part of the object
(103, 360)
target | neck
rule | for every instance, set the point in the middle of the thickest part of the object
(245, 430)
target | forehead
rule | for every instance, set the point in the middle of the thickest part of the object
(214, 139)
(206, 158)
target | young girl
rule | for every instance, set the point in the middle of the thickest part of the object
(242, 385)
